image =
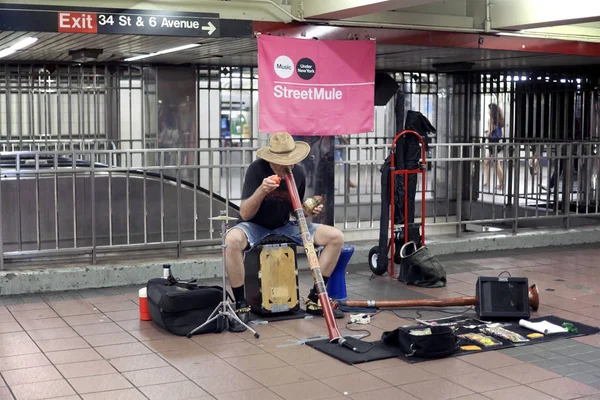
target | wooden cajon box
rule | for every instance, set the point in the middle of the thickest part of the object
(272, 277)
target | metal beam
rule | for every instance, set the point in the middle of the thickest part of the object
(528, 14)
(431, 38)
(573, 32)
(405, 18)
(341, 9)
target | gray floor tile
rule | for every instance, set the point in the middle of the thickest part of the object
(532, 358)
(556, 362)
(567, 370)
(558, 344)
(548, 355)
(12, 300)
(587, 357)
(595, 373)
(529, 349)
(573, 350)
(514, 351)
(585, 378)
(595, 384)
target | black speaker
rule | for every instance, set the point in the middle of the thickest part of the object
(502, 298)
(385, 88)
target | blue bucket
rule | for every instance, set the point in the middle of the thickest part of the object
(336, 285)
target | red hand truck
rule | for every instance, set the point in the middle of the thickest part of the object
(373, 254)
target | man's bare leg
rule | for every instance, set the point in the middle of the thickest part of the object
(236, 243)
(332, 239)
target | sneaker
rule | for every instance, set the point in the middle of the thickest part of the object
(313, 306)
(243, 313)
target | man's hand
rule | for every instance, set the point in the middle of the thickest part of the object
(250, 206)
(317, 210)
(268, 185)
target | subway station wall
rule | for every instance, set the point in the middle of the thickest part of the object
(50, 102)
(146, 107)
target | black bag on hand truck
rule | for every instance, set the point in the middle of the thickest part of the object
(180, 308)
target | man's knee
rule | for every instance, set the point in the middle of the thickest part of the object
(329, 236)
(235, 240)
(337, 237)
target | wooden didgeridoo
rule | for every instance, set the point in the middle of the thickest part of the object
(313, 260)
(534, 301)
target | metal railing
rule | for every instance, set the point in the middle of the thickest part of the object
(54, 145)
(91, 201)
(536, 178)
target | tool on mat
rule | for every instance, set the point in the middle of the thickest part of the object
(360, 319)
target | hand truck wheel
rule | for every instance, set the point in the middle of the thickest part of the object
(373, 257)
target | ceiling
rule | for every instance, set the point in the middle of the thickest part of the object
(572, 20)
(55, 47)
(419, 52)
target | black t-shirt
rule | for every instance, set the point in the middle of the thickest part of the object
(274, 211)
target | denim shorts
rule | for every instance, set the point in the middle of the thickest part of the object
(256, 233)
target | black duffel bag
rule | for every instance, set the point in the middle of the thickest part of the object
(182, 307)
(441, 342)
(419, 267)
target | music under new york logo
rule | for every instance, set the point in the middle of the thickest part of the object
(305, 69)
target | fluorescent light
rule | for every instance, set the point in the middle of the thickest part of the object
(21, 44)
(139, 57)
(6, 52)
(158, 53)
(185, 47)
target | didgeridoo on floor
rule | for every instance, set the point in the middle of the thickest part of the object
(534, 302)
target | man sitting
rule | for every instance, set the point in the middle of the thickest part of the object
(265, 210)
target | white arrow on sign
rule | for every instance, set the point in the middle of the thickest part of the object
(210, 28)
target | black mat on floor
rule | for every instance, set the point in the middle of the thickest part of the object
(382, 351)
(365, 351)
(279, 317)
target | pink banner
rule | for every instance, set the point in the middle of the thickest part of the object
(316, 87)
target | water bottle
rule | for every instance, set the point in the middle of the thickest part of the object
(166, 271)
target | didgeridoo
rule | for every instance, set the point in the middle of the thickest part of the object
(313, 260)
(534, 302)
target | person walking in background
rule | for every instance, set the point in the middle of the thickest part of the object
(494, 134)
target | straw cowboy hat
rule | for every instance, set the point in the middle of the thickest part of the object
(283, 150)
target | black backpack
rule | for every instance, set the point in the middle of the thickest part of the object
(441, 342)
(182, 307)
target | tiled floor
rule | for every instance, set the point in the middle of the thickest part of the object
(90, 344)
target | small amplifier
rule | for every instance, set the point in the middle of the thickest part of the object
(272, 278)
(502, 298)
